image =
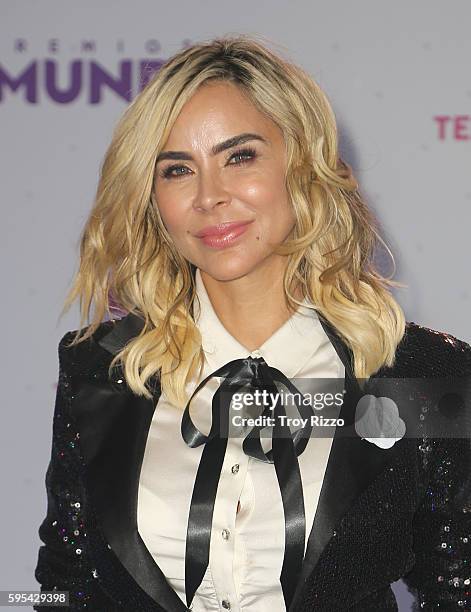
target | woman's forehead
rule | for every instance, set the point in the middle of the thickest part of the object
(216, 112)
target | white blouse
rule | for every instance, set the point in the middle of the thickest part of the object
(247, 535)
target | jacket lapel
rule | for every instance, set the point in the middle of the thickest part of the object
(114, 426)
(352, 465)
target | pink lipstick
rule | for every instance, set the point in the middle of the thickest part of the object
(222, 235)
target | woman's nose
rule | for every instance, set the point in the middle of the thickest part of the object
(211, 191)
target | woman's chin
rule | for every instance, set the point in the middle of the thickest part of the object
(224, 271)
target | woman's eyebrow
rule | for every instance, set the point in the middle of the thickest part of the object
(222, 146)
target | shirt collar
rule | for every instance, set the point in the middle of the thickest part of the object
(288, 349)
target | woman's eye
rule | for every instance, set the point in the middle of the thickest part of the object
(245, 155)
(241, 156)
(168, 172)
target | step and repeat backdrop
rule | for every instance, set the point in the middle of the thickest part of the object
(398, 78)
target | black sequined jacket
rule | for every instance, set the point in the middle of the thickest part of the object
(383, 514)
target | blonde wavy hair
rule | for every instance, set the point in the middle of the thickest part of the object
(127, 256)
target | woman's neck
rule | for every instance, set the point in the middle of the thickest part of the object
(251, 307)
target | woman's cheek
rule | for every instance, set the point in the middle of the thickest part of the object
(172, 219)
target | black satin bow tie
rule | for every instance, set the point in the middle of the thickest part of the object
(249, 374)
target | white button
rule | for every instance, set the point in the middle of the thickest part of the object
(256, 353)
(225, 534)
(226, 604)
(235, 468)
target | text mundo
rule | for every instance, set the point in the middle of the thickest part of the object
(262, 397)
(39, 80)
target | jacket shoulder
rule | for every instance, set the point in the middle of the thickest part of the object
(424, 351)
(87, 355)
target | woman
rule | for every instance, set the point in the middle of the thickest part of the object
(236, 242)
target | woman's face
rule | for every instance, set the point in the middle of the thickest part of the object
(224, 162)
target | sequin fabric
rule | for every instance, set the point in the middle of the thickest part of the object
(416, 516)
(412, 522)
(73, 543)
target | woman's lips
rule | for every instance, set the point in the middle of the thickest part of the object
(226, 237)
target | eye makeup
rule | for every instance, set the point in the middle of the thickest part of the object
(243, 152)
